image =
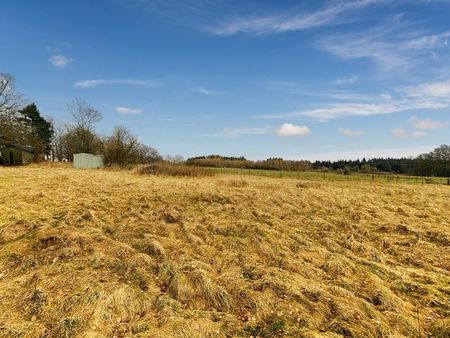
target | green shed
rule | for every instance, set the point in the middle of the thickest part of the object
(88, 161)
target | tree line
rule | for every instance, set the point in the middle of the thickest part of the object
(435, 163)
(217, 161)
(23, 125)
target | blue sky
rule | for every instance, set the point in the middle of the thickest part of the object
(294, 79)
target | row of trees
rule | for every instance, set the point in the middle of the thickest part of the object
(435, 163)
(218, 161)
(22, 125)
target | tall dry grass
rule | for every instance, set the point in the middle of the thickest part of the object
(99, 253)
(174, 169)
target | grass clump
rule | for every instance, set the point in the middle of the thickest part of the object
(174, 169)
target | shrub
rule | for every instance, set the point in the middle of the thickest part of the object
(123, 149)
(174, 169)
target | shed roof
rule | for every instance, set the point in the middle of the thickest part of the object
(21, 147)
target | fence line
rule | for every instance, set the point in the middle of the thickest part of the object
(389, 178)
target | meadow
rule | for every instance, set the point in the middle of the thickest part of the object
(115, 253)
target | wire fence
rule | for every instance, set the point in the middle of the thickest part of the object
(389, 178)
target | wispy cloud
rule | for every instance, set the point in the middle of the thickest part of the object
(333, 13)
(100, 82)
(350, 133)
(393, 46)
(440, 89)
(339, 110)
(206, 91)
(60, 61)
(421, 97)
(402, 133)
(129, 111)
(242, 131)
(428, 124)
(288, 129)
(370, 45)
(345, 80)
(432, 41)
(285, 130)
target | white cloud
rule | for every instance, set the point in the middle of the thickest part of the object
(350, 133)
(133, 82)
(427, 42)
(418, 133)
(369, 45)
(392, 46)
(426, 124)
(399, 132)
(288, 129)
(340, 110)
(345, 80)
(284, 130)
(331, 14)
(60, 61)
(129, 111)
(428, 96)
(402, 133)
(439, 89)
(206, 91)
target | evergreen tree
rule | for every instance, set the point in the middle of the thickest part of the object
(40, 127)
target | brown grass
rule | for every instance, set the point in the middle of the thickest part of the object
(101, 253)
(174, 169)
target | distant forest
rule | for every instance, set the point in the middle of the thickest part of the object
(435, 163)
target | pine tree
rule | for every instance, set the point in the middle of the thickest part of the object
(40, 128)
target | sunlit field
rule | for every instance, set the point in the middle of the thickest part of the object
(334, 176)
(112, 253)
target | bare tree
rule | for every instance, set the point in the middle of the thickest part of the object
(12, 129)
(10, 100)
(84, 115)
(123, 148)
(80, 136)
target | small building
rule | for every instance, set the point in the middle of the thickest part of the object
(15, 154)
(88, 161)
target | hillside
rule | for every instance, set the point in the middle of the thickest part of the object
(116, 254)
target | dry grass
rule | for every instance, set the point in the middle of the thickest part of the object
(174, 169)
(115, 254)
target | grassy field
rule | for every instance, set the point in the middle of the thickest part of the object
(314, 175)
(101, 253)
